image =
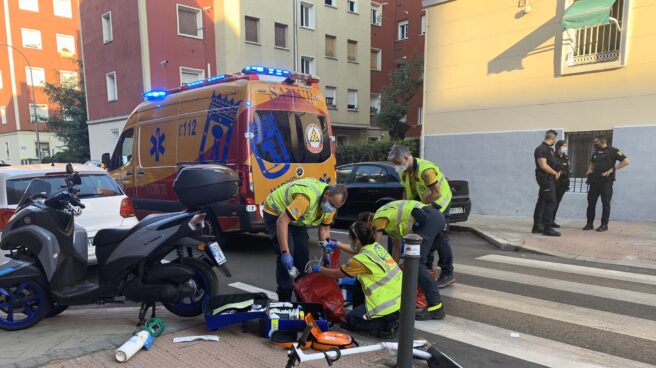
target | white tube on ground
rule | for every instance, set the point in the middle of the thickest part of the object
(362, 349)
(130, 347)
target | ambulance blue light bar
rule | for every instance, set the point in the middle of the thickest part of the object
(257, 69)
(217, 78)
(155, 95)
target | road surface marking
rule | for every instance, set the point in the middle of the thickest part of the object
(605, 321)
(579, 270)
(562, 285)
(522, 346)
(254, 289)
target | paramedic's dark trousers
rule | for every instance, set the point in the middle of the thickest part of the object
(298, 247)
(356, 319)
(430, 224)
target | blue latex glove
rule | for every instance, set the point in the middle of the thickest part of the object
(286, 260)
(327, 261)
(316, 268)
(329, 246)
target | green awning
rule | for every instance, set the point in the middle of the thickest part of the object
(588, 13)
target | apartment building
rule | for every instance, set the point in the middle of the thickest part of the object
(499, 74)
(39, 44)
(398, 29)
(132, 46)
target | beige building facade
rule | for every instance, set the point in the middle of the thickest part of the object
(330, 39)
(498, 74)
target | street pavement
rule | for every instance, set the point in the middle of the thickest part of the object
(506, 309)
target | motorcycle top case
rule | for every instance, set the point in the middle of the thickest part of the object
(202, 185)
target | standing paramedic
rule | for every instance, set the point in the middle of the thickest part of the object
(423, 181)
(546, 176)
(380, 279)
(289, 211)
(601, 172)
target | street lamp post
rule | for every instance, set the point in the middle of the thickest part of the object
(36, 117)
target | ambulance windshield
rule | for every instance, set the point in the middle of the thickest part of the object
(290, 137)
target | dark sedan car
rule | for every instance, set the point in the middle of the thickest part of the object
(372, 184)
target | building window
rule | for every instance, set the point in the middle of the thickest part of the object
(374, 138)
(31, 5)
(307, 15)
(352, 51)
(190, 22)
(376, 56)
(63, 8)
(188, 75)
(66, 45)
(281, 35)
(252, 29)
(3, 115)
(420, 115)
(108, 34)
(598, 47)
(115, 134)
(342, 140)
(376, 14)
(331, 42)
(331, 97)
(307, 65)
(374, 107)
(39, 75)
(579, 146)
(31, 38)
(423, 24)
(68, 79)
(41, 113)
(352, 6)
(352, 99)
(112, 90)
(44, 147)
(332, 3)
(403, 30)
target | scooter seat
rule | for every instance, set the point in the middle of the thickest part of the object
(110, 236)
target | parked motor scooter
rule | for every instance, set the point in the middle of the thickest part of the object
(47, 270)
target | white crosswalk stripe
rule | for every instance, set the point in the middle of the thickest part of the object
(562, 285)
(578, 270)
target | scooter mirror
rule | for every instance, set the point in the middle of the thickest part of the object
(69, 168)
(76, 179)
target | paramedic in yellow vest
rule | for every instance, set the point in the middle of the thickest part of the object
(380, 278)
(289, 211)
(423, 181)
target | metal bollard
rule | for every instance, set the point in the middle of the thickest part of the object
(411, 256)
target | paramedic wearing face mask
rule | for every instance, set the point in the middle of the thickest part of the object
(423, 181)
(289, 211)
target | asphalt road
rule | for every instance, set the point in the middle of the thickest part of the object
(517, 309)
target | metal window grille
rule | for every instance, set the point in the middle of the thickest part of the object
(580, 151)
(599, 44)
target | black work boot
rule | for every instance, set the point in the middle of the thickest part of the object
(537, 229)
(549, 231)
(555, 225)
(603, 227)
(588, 227)
(434, 312)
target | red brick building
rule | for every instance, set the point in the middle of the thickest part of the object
(44, 34)
(397, 32)
(132, 46)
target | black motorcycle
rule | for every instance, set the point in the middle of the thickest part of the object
(155, 261)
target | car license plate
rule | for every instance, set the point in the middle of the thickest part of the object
(217, 253)
(90, 242)
(456, 210)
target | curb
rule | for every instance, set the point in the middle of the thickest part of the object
(498, 242)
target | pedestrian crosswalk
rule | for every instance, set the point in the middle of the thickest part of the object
(540, 311)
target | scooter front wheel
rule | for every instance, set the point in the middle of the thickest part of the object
(207, 285)
(23, 305)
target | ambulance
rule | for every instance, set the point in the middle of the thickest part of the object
(269, 125)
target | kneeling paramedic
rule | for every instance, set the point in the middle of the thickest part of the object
(289, 211)
(400, 218)
(380, 278)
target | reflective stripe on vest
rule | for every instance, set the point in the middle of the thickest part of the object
(381, 307)
(402, 216)
(382, 287)
(282, 197)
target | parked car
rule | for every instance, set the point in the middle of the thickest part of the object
(106, 204)
(372, 184)
(95, 163)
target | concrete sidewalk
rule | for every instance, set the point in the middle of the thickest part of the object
(625, 243)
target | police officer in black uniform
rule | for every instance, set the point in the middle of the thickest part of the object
(562, 166)
(601, 175)
(546, 176)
